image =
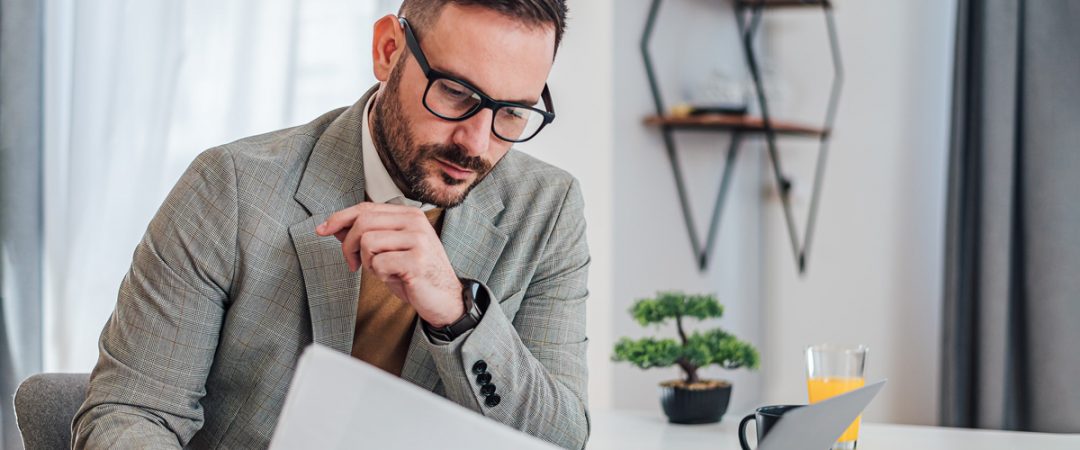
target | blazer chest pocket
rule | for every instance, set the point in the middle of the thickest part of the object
(511, 304)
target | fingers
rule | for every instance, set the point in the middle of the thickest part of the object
(377, 242)
(392, 268)
(367, 229)
(359, 246)
(390, 265)
(350, 248)
(375, 216)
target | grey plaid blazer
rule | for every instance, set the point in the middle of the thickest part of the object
(230, 283)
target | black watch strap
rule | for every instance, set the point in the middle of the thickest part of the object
(475, 297)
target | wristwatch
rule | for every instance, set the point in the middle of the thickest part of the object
(476, 302)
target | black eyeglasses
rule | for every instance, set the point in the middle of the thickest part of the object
(455, 100)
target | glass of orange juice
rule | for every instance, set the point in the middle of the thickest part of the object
(833, 370)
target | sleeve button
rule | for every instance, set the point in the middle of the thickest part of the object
(483, 379)
(493, 400)
(488, 390)
(480, 367)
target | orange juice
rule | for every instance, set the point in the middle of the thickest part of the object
(825, 387)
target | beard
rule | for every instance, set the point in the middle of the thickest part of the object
(413, 167)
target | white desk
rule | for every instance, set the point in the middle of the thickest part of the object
(643, 430)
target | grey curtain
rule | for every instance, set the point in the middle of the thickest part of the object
(21, 50)
(1011, 327)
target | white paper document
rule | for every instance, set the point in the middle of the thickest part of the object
(339, 402)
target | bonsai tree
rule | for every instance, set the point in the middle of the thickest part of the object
(691, 352)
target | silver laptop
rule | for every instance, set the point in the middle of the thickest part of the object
(818, 426)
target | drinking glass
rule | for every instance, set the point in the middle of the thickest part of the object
(832, 370)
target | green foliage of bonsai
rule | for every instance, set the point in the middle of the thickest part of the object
(690, 352)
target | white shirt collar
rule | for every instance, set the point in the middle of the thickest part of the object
(378, 185)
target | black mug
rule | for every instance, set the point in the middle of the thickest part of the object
(765, 417)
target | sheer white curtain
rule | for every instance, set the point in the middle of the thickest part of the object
(135, 89)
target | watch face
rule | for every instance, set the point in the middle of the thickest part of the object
(476, 294)
(473, 288)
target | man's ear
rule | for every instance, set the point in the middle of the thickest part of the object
(387, 44)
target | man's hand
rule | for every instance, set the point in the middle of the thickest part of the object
(399, 245)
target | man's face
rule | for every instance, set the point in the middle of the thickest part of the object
(438, 161)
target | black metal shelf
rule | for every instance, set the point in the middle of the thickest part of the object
(748, 18)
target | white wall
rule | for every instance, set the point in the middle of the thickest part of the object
(875, 271)
(652, 252)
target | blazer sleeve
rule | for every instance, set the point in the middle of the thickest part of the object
(537, 362)
(157, 347)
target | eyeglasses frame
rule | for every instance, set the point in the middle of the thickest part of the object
(485, 101)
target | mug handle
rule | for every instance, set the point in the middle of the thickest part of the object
(742, 431)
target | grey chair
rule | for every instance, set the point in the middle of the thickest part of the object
(45, 404)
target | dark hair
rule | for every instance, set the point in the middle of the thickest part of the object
(423, 13)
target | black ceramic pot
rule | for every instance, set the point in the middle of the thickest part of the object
(695, 406)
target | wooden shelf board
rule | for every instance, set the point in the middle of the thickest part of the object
(734, 122)
(782, 3)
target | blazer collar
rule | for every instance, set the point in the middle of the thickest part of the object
(333, 180)
(334, 176)
(470, 236)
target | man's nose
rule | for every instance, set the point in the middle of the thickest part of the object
(474, 133)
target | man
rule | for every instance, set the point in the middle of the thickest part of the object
(401, 230)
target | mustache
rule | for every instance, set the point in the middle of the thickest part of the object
(455, 154)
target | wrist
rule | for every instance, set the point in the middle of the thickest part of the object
(473, 303)
(454, 311)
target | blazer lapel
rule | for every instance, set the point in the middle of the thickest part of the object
(333, 180)
(473, 244)
(332, 290)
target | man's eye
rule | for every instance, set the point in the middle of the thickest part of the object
(456, 93)
(514, 113)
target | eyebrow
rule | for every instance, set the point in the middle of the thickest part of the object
(525, 102)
